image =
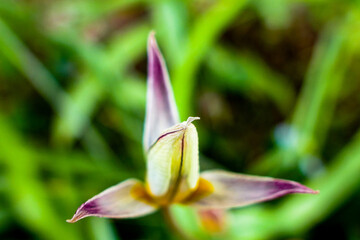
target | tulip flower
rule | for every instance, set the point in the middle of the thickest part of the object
(172, 177)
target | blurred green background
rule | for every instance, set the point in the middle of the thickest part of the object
(275, 82)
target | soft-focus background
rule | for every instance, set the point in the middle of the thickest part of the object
(275, 82)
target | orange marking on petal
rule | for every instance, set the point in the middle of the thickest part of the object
(139, 193)
(204, 188)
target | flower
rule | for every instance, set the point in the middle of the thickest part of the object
(172, 177)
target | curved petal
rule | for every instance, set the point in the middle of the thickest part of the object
(161, 111)
(128, 199)
(173, 163)
(221, 189)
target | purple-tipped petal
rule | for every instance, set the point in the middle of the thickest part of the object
(161, 111)
(125, 200)
(228, 190)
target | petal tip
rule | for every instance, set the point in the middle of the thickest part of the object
(152, 40)
(72, 220)
(308, 191)
(81, 213)
(77, 216)
(304, 189)
(289, 187)
(191, 119)
(152, 34)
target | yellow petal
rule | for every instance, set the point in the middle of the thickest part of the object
(173, 163)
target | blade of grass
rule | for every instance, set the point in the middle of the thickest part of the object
(201, 37)
(17, 53)
(324, 79)
(171, 24)
(248, 74)
(105, 70)
(307, 210)
(29, 200)
(276, 13)
(315, 106)
(29, 65)
(102, 229)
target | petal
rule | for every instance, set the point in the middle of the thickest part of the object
(161, 111)
(128, 199)
(163, 160)
(221, 189)
(173, 163)
(213, 220)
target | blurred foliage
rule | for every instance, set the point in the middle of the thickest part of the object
(275, 83)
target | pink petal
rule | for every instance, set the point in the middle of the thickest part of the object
(228, 190)
(161, 111)
(125, 200)
(213, 220)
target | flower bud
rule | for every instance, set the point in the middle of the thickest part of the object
(173, 163)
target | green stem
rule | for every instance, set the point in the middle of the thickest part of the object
(173, 225)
